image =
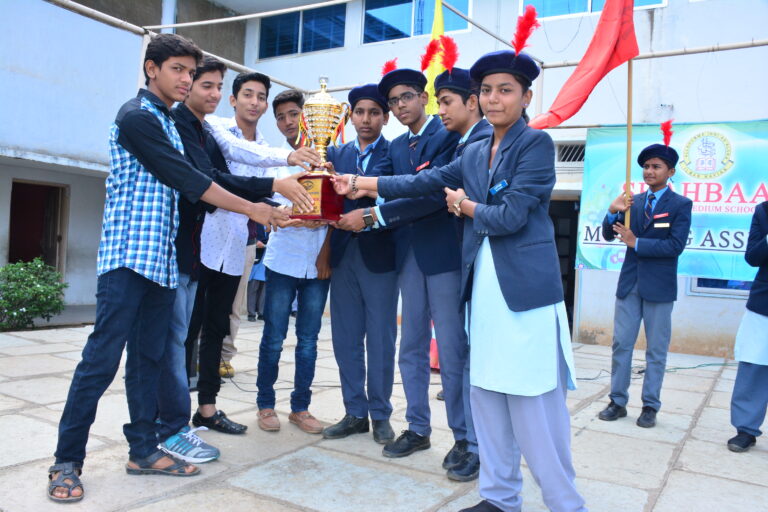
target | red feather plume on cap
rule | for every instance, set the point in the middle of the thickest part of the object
(666, 129)
(450, 52)
(390, 65)
(429, 54)
(525, 26)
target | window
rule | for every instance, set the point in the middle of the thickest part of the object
(397, 19)
(550, 8)
(719, 288)
(310, 30)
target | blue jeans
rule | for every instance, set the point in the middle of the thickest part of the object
(312, 294)
(128, 307)
(173, 401)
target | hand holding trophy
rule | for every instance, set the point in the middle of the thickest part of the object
(322, 121)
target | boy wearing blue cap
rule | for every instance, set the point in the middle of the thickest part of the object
(660, 223)
(427, 262)
(363, 282)
(459, 108)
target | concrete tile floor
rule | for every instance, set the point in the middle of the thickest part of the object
(682, 464)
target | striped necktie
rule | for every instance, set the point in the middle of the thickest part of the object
(412, 144)
(649, 210)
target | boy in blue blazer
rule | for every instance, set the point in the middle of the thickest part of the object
(363, 282)
(750, 391)
(660, 223)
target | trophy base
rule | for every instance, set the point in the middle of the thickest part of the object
(328, 204)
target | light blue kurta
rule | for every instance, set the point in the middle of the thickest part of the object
(752, 339)
(514, 352)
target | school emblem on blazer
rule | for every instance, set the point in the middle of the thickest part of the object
(707, 155)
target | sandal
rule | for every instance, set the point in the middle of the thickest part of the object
(219, 422)
(178, 468)
(69, 479)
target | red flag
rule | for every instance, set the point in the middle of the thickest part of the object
(613, 44)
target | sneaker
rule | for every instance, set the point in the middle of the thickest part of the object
(187, 446)
(742, 442)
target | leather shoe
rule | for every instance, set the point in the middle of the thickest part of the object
(218, 422)
(483, 506)
(408, 443)
(467, 469)
(346, 427)
(612, 412)
(382, 431)
(306, 422)
(742, 442)
(647, 418)
(454, 457)
(268, 420)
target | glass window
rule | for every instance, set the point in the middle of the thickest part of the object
(387, 19)
(323, 28)
(719, 287)
(424, 14)
(279, 35)
(547, 8)
(597, 5)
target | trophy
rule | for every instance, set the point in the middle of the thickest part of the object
(322, 121)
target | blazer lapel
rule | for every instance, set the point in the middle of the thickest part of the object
(425, 137)
(512, 134)
(481, 173)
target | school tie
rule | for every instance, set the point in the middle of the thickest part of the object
(649, 210)
(460, 148)
(412, 144)
(361, 155)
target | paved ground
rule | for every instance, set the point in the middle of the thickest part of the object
(680, 465)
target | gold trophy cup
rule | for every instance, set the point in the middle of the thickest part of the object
(322, 121)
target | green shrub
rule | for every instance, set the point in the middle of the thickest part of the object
(29, 290)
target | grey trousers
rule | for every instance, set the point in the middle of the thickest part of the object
(539, 428)
(750, 398)
(657, 318)
(433, 299)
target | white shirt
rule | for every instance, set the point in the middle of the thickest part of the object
(225, 233)
(293, 251)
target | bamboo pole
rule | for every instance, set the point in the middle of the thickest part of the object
(628, 182)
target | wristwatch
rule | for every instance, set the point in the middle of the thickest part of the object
(368, 218)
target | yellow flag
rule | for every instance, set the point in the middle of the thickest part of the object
(436, 67)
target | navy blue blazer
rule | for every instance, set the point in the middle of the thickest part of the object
(481, 131)
(653, 265)
(515, 219)
(757, 256)
(423, 223)
(376, 246)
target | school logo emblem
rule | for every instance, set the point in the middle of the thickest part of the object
(308, 184)
(707, 155)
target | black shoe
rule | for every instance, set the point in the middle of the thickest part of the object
(456, 454)
(742, 442)
(346, 427)
(612, 412)
(219, 422)
(408, 442)
(259, 317)
(251, 318)
(440, 396)
(647, 418)
(467, 469)
(382, 431)
(483, 506)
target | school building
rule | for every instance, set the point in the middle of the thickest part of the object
(68, 67)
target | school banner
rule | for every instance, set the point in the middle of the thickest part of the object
(723, 169)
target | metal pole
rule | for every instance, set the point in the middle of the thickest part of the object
(248, 16)
(628, 182)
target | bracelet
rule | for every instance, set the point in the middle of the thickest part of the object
(457, 205)
(353, 184)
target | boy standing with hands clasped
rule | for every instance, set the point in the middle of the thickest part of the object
(660, 221)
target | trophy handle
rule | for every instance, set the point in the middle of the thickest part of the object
(345, 113)
(304, 132)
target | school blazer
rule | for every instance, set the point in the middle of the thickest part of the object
(422, 223)
(377, 247)
(757, 256)
(515, 220)
(481, 131)
(653, 266)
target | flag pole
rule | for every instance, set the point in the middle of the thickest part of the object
(628, 181)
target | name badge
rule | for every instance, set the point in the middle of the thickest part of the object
(661, 215)
(422, 166)
(661, 225)
(499, 187)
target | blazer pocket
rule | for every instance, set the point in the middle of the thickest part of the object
(536, 243)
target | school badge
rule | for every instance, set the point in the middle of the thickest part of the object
(707, 155)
